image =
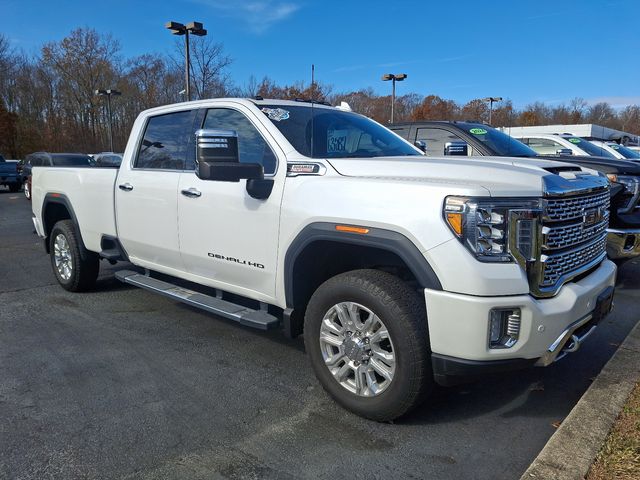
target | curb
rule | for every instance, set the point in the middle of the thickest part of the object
(572, 449)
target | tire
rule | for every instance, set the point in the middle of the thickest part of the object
(72, 271)
(27, 190)
(399, 309)
(14, 187)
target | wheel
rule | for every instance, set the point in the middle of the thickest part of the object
(72, 271)
(366, 334)
(14, 187)
(27, 190)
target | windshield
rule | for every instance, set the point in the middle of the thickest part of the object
(332, 133)
(497, 142)
(70, 160)
(589, 147)
(624, 151)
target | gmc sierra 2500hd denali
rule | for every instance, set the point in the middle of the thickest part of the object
(398, 269)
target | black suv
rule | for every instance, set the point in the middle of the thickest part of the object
(441, 138)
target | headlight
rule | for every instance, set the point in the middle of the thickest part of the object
(631, 184)
(482, 225)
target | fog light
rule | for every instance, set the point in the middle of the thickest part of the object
(504, 327)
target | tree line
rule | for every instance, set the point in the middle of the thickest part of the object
(48, 101)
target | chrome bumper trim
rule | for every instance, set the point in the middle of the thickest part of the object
(566, 343)
(619, 244)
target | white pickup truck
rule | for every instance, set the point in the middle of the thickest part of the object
(400, 270)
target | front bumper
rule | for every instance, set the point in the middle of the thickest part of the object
(623, 244)
(459, 324)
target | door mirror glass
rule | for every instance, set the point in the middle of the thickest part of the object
(218, 160)
(421, 144)
(456, 148)
(564, 151)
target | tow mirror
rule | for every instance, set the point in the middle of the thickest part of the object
(564, 151)
(217, 158)
(456, 148)
(421, 144)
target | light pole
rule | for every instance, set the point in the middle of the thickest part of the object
(108, 93)
(398, 77)
(491, 100)
(195, 28)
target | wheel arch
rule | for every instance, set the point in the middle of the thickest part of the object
(320, 251)
(56, 207)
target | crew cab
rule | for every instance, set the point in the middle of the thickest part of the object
(398, 269)
(9, 175)
(438, 138)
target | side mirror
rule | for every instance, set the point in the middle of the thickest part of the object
(217, 158)
(564, 151)
(421, 144)
(456, 149)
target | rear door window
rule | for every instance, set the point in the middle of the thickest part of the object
(166, 140)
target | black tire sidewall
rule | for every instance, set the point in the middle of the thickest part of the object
(401, 331)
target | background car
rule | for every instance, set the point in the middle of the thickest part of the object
(107, 159)
(9, 175)
(619, 151)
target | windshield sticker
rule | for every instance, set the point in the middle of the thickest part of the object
(615, 147)
(478, 131)
(575, 140)
(276, 114)
(337, 141)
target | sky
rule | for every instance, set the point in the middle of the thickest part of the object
(527, 51)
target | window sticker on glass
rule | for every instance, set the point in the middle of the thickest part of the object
(615, 147)
(337, 141)
(575, 140)
(276, 114)
(478, 131)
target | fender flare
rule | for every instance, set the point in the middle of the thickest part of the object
(383, 239)
(61, 199)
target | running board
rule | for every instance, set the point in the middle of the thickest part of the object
(259, 319)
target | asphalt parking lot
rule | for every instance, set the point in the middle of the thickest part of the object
(120, 383)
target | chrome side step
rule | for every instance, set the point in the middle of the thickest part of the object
(259, 319)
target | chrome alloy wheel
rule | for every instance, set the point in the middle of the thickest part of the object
(62, 257)
(357, 349)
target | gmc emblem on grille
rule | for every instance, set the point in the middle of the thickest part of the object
(593, 216)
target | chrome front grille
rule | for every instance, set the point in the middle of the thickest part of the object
(571, 208)
(563, 236)
(573, 230)
(559, 265)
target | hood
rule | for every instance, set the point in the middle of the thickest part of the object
(501, 176)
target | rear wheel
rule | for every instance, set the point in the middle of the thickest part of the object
(366, 334)
(73, 272)
(27, 190)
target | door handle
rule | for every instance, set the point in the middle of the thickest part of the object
(127, 187)
(191, 192)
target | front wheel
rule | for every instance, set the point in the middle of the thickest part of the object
(366, 334)
(73, 272)
(27, 190)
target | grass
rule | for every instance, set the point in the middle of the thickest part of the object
(619, 457)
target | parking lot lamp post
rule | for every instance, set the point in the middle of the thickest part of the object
(398, 77)
(193, 28)
(491, 100)
(108, 93)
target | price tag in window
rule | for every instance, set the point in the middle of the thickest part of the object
(337, 141)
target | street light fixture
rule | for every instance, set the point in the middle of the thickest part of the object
(491, 100)
(108, 93)
(193, 28)
(398, 77)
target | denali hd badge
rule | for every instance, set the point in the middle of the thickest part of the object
(235, 260)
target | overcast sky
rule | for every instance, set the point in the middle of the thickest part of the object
(527, 51)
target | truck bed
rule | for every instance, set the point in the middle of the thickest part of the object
(90, 192)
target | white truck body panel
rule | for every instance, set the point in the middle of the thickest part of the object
(584, 130)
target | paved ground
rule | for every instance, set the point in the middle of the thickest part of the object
(120, 383)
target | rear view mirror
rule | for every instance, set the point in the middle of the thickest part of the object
(456, 148)
(564, 151)
(217, 157)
